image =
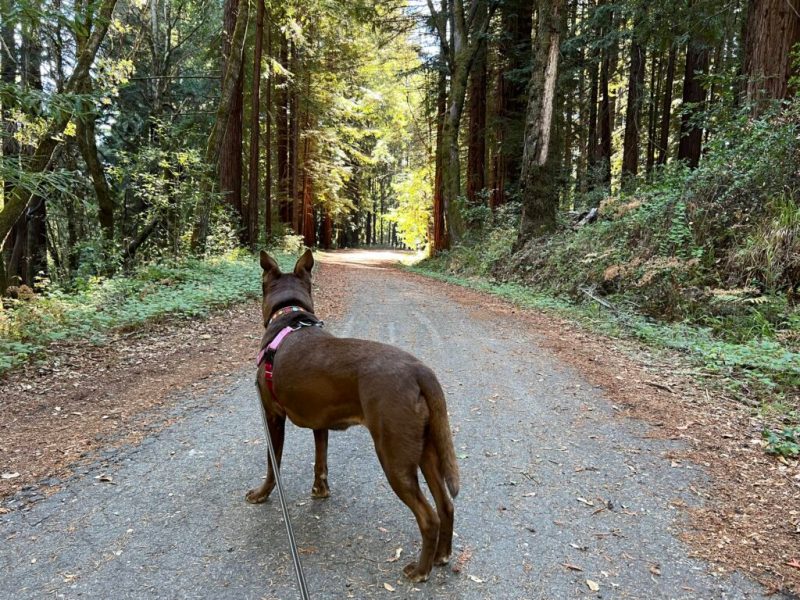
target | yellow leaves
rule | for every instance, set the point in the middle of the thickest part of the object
(30, 129)
(71, 130)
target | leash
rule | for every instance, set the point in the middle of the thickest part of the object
(298, 568)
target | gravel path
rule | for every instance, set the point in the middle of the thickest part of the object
(558, 494)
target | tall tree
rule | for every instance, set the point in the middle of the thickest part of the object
(694, 94)
(230, 158)
(630, 147)
(666, 107)
(255, 131)
(17, 200)
(476, 135)
(539, 197)
(514, 50)
(771, 32)
(468, 33)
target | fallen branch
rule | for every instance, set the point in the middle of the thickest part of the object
(599, 300)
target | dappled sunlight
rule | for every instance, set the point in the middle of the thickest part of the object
(370, 258)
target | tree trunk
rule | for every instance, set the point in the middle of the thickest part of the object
(10, 149)
(294, 142)
(514, 48)
(230, 81)
(476, 136)
(255, 132)
(36, 250)
(268, 139)
(666, 107)
(439, 235)
(230, 158)
(539, 196)
(282, 132)
(656, 72)
(690, 146)
(630, 147)
(87, 143)
(17, 200)
(772, 29)
(606, 116)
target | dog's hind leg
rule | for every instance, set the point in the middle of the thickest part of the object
(320, 488)
(401, 463)
(444, 505)
(277, 429)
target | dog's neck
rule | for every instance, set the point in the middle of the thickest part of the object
(285, 311)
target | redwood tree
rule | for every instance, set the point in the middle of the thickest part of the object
(771, 32)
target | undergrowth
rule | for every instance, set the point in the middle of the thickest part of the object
(703, 261)
(97, 306)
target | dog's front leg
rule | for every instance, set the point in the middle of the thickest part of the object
(320, 488)
(277, 428)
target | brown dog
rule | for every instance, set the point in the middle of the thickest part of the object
(323, 382)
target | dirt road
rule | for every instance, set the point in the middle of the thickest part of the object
(559, 494)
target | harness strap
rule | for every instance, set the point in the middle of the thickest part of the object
(267, 354)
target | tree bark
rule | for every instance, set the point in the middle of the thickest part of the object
(656, 72)
(229, 85)
(771, 31)
(255, 132)
(630, 147)
(514, 48)
(666, 107)
(539, 196)
(268, 139)
(606, 117)
(230, 157)
(691, 142)
(476, 135)
(87, 143)
(440, 241)
(465, 41)
(282, 134)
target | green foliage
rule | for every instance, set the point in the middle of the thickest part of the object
(176, 289)
(783, 443)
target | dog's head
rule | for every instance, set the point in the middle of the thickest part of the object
(286, 289)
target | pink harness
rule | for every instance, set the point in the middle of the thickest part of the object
(267, 354)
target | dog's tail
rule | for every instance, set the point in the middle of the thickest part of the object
(440, 428)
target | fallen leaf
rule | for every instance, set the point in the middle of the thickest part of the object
(476, 579)
(572, 567)
(9, 475)
(529, 495)
(396, 556)
(585, 501)
(383, 530)
(388, 587)
(462, 560)
(655, 570)
(593, 585)
(794, 563)
(104, 479)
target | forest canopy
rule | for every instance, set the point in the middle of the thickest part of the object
(140, 130)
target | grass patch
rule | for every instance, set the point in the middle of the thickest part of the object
(190, 288)
(759, 370)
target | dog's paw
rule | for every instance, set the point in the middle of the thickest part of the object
(258, 495)
(413, 572)
(440, 561)
(320, 490)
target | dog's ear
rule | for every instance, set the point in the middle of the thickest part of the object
(269, 264)
(304, 264)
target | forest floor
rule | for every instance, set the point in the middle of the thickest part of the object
(587, 462)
